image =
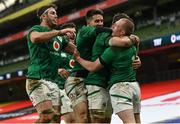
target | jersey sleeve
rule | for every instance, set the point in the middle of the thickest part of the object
(63, 40)
(34, 28)
(103, 29)
(88, 31)
(107, 57)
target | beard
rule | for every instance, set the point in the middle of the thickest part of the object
(51, 24)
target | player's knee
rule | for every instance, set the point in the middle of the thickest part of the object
(83, 115)
(56, 118)
(46, 116)
(97, 116)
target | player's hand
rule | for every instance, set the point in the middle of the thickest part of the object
(136, 63)
(135, 39)
(71, 36)
(67, 30)
(63, 73)
(76, 54)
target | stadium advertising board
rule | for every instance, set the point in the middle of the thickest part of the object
(161, 41)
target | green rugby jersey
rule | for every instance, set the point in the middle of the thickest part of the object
(120, 61)
(44, 57)
(67, 62)
(101, 77)
(85, 39)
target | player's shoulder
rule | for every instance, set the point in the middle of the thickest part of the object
(86, 31)
(87, 28)
(39, 28)
(104, 35)
(36, 26)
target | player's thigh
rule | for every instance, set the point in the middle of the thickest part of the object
(121, 97)
(99, 103)
(136, 97)
(66, 103)
(76, 90)
(54, 94)
(69, 117)
(37, 91)
(97, 97)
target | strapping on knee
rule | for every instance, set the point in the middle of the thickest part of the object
(56, 117)
(47, 111)
(49, 115)
(97, 114)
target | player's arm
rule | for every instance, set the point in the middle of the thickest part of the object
(63, 73)
(136, 63)
(120, 41)
(103, 29)
(39, 37)
(125, 41)
(136, 40)
(88, 65)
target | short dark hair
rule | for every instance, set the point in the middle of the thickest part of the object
(68, 25)
(41, 10)
(119, 16)
(93, 12)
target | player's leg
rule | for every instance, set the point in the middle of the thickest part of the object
(66, 108)
(45, 111)
(137, 118)
(69, 117)
(81, 112)
(109, 110)
(136, 101)
(39, 95)
(127, 116)
(98, 101)
(77, 92)
(56, 102)
(121, 99)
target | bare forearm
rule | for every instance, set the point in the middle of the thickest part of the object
(86, 64)
(120, 41)
(39, 37)
(90, 66)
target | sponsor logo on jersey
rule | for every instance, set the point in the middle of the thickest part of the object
(72, 63)
(56, 45)
(60, 38)
(133, 57)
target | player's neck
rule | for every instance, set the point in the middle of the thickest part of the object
(44, 24)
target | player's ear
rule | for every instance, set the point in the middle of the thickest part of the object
(112, 26)
(123, 33)
(43, 16)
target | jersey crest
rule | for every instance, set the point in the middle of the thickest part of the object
(56, 45)
(72, 63)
